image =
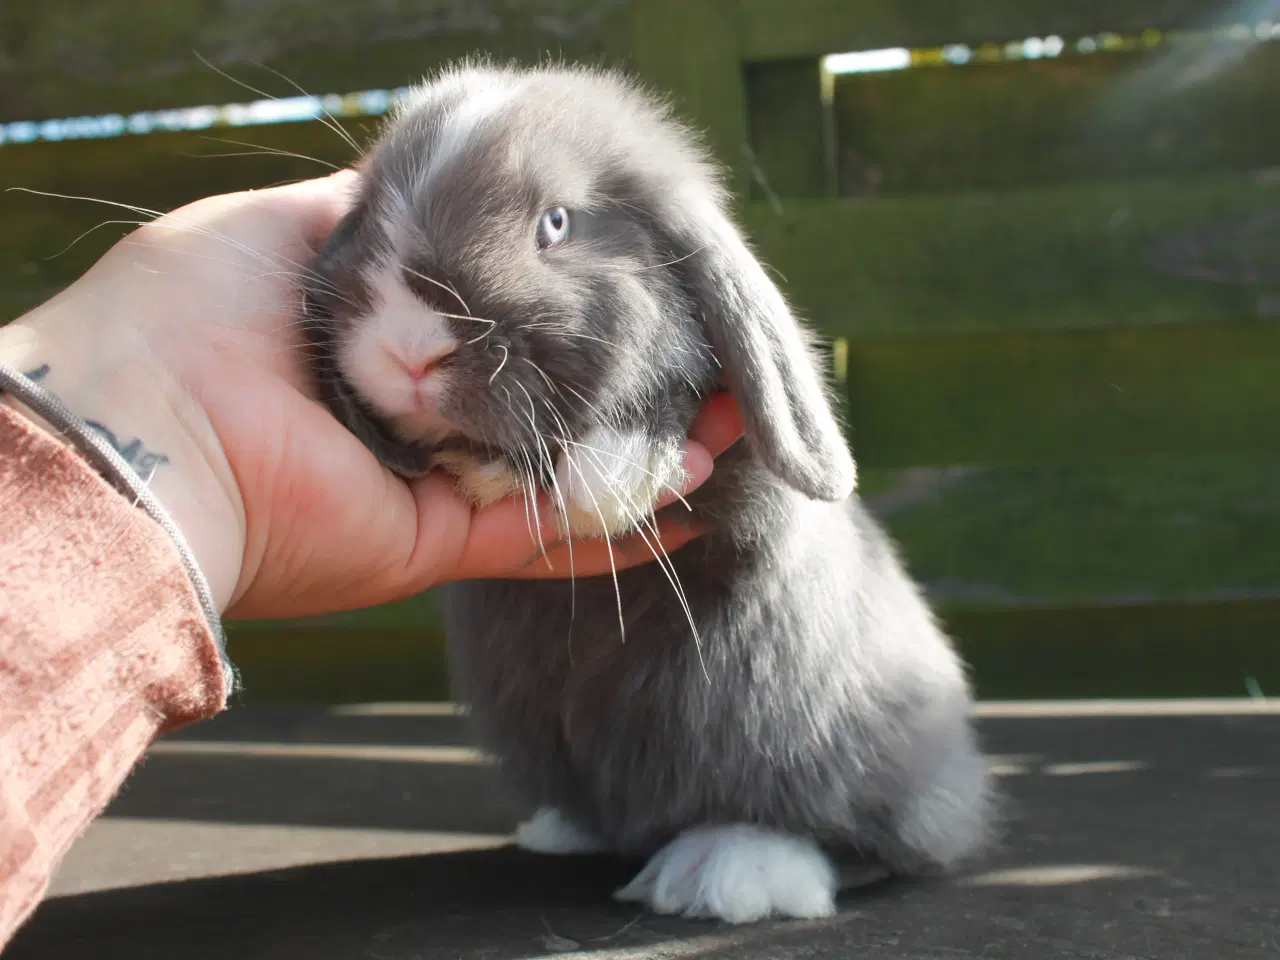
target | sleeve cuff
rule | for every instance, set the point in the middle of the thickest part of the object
(113, 469)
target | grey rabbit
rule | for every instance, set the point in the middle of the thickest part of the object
(537, 286)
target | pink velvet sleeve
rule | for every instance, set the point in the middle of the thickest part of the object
(103, 646)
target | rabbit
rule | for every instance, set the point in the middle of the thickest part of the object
(536, 287)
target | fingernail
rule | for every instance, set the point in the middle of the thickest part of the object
(698, 465)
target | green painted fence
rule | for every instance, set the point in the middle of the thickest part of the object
(1057, 281)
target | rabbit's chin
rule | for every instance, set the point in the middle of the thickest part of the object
(605, 485)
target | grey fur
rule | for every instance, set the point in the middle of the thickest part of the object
(824, 700)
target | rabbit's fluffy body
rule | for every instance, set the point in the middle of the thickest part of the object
(817, 709)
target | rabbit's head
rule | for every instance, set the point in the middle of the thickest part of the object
(538, 275)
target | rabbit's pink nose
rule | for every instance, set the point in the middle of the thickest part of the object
(422, 368)
(420, 364)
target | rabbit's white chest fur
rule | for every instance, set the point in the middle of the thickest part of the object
(611, 479)
(606, 484)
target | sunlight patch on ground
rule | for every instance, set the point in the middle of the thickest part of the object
(322, 751)
(1056, 875)
(119, 852)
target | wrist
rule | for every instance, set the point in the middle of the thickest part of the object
(112, 381)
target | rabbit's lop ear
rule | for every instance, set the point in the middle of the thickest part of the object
(766, 357)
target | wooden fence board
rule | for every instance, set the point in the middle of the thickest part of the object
(1169, 650)
(1149, 530)
(65, 58)
(1054, 397)
(779, 29)
(1136, 253)
(1073, 119)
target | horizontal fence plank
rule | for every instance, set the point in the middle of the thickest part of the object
(1035, 397)
(1152, 252)
(338, 665)
(775, 29)
(65, 58)
(1076, 117)
(1137, 530)
(1225, 649)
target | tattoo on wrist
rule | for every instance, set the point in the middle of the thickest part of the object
(144, 462)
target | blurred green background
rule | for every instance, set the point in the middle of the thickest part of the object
(1054, 279)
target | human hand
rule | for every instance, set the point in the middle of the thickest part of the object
(183, 343)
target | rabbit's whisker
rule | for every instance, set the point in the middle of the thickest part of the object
(560, 331)
(505, 354)
(660, 556)
(447, 288)
(595, 505)
(258, 150)
(550, 385)
(327, 119)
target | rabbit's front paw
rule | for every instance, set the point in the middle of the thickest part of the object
(607, 484)
(737, 873)
(550, 831)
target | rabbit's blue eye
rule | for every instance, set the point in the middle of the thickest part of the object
(553, 227)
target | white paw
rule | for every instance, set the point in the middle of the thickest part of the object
(612, 478)
(739, 874)
(550, 831)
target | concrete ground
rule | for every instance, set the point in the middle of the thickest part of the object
(375, 833)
